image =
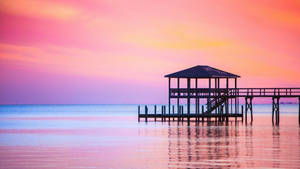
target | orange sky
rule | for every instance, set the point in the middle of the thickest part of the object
(110, 51)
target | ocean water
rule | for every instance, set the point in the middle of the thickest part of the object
(109, 136)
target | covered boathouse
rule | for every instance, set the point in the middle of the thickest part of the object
(219, 97)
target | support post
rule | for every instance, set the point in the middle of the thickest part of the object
(242, 113)
(299, 110)
(236, 98)
(226, 102)
(188, 99)
(155, 113)
(275, 110)
(196, 100)
(202, 113)
(246, 109)
(169, 119)
(146, 113)
(251, 109)
(173, 111)
(278, 112)
(165, 113)
(169, 103)
(182, 113)
(139, 112)
(208, 99)
(162, 113)
(178, 95)
(216, 86)
(178, 114)
(248, 106)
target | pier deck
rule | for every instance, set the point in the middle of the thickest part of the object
(220, 103)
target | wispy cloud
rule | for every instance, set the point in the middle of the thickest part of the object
(39, 9)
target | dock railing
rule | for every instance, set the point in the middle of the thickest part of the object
(235, 92)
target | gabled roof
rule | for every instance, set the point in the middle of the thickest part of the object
(201, 71)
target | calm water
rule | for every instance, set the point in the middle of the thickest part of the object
(109, 136)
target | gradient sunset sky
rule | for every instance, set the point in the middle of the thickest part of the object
(110, 51)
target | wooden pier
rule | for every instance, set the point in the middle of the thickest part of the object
(218, 104)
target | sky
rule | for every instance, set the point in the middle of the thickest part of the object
(117, 52)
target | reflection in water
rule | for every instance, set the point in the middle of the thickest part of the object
(230, 146)
(276, 146)
(203, 146)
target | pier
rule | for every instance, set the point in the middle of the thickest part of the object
(220, 101)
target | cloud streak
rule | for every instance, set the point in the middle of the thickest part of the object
(43, 9)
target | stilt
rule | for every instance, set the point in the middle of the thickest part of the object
(278, 110)
(162, 113)
(182, 118)
(227, 112)
(196, 100)
(146, 113)
(275, 110)
(248, 106)
(188, 99)
(173, 112)
(246, 116)
(179, 114)
(299, 110)
(178, 95)
(165, 113)
(139, 112)
(202, 113)
(251, 109)
(169, 119)
(155, 113)
(169, 101)
(242, 113)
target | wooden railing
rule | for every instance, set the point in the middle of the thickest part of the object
(235, 92)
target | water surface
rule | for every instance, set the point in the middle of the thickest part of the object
(109, 136)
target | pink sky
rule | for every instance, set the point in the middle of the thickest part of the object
(118, 51)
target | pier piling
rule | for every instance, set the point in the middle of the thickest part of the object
(242, 113)
(155, 113)
(299, 110)
(146, 113)
(139, 112)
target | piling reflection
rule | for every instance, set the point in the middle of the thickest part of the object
(227, 146)
(204, 146)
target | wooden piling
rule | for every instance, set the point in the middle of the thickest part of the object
(146, 113)
(278, 111)
(299, 110)
(155, 113)
(202, 113)
(188, 99)
(251, 112)
(173, 112)
(242, 113)
(139, 112)
(179, 113)
(165, 113)
(182, 113)
(162, 113)
(169, 119)
(246, 114)
(273, 110)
